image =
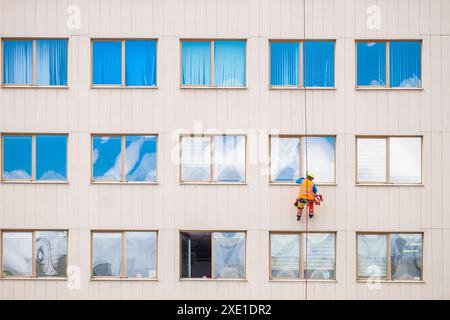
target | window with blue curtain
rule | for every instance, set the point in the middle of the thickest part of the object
(17, 62)
(51, 62)
(107, 62)
(318, 64)
(284, 63)
(196, 63)
(140, 62)
(229, 63)
(371, 63)
(405, 64)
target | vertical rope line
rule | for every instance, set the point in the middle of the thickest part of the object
(306, 151)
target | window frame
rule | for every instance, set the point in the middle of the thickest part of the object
(211, 181)
(301, 158)
(301, 66)
(122, 85)
(388, 277)
(211, 80)
(122, 276)
(122, 150)
(387, 86)
(302, 236)
(180, 253)
(387, 181)
(33, 179)
(33, 63)
(33, 254)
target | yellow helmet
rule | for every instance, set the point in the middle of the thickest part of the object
(311, 175)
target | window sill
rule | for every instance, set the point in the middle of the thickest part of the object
(295, 184)
(213, 87)
(15, 86)
(211, 279)
(388, 88)
(122, 87)
(123, 183)
(300, 88)
(390, 281)
(35, 278)
(213, 183)
(121, 279)
(389, 184)
(33, 182)
(304, 280)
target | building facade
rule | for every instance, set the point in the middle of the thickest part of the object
(364, 123)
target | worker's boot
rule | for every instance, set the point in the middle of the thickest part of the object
(299, 217)
(311, 215)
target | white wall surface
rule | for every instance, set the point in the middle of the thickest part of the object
(256, 207)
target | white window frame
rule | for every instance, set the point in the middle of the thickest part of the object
(33, 158)
(387, 86)
(301, 158)
(388, 277)
(387, 181)
(33, 253)
(123, 256)
(301, 66)
(212, 255)
(302, 238)
(212, 177)
(122, 85)
(33, 79)
(211, 84)
(123, 153)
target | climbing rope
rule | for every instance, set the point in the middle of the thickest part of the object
(306, 213)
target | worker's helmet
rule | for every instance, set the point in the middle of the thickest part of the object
(311, 175)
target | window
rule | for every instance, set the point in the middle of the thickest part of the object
(129, 63)
(213, 159)
(41, 158)
(315, 64)
(302, 255)
(288, 158)
(390, 256)
(124, 254)
(389, 64)
(34, 254)
(124, 158)
(213, 63)
(389, 160)
(216, 255)
(40, 62)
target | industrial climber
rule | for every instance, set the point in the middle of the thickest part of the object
(307, 195)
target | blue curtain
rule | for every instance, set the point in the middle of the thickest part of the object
(371, 63)
(196, 63)
(284, 64)
(107, 62)
(404, 64)
(140, 62)
(51, 62)
(17, 61)
(229, 63)
(318, 63)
